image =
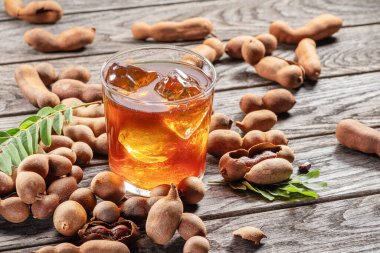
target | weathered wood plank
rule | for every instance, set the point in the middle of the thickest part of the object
(349, 173)
(230, 19)
(317, 111)
(82, 6)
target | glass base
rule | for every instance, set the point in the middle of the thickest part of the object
(130, 188)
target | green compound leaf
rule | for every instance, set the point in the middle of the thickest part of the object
(58, 123)
(12, 151)
(5, 163)
(45, 131)
(27, 141)
(34, 132)
(45, 111)
(68, 115)
(297, 188)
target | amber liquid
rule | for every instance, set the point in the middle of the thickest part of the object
(153, 144)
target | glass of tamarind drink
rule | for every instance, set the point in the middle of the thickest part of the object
(158, 105)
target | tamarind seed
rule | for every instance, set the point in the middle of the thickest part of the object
(304, 168)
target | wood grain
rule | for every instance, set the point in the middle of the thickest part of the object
(230, 19)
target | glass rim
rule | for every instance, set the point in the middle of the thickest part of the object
(114, 56)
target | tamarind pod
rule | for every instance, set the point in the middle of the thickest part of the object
(284, 72)
(84, 133)
(7, 185)
(217, 45)
(308, 58)
(47, 73)
(355, 135)
(269, 171)
(318, 28)
(69, 40)
(203, 50)
(97, 125)
(65, 152)
(93, 246)
(38, 12)
(252, 51)
(91, 111)
(169, 31)
(33, 89)
(79, 73)
(57, 141)
(269, 41)
(67, 88)
(234, 45)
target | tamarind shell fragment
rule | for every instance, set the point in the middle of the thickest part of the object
(260, 164)
(125, 231)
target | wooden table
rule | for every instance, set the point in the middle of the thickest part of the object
(346, 217)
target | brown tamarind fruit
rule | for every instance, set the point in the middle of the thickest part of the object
(46, 72)
(191, 190)
(14, 210)
(108, 186)
(67, 88)
(91, 111)
(255, 137)
(217, 45)
(85, 197)
(355, 135)
(38, 163)
(69, 217)
(78, 72)
(160, 190)
(106, 211)
(164, 217)
(63, 187)
(59, 165)
(278, 100)
(191, 225)
(318, 28)
(93, 246)
(286, 153)
(57, 141)
(83, 152)
(221, 141)
(307, 57)
(45, 207)
(32, 87)
(137, 208)
(286, 73)
(169, 31)
(197, 244)
(97, 125)
(262, 120)
(251, 102)
(269, 171)
(69, 40)
(65, 152)
(7, 185)
(252, 51)
(37, 12)
(29, 186)
(77, 173)
(220, 121)
(269, 41)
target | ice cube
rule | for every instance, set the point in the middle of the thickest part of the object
(130, 77)
(177, 85)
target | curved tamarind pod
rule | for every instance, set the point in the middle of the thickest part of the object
(97, 125)
(169, 31)
(37, 12)
(33, 89)
(355, 135)
(47, 73)
(69, 40)
(91, 111)
(69, 88)
(318, 28)
(308, 58)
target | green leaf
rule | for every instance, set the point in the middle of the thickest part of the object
(315, 186)
(45, 111)
(279, 193)
(20, 148)
(265, 194)
(238, 186)
(58, 123)
(5, 163)
(4, 136)
(45, 131)
(292, 188)
(69, 115)
(304, 177)
(29, 121)
(34, 132)
(11, 150)
(59, 107)
(13, 131)
(27, 141)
